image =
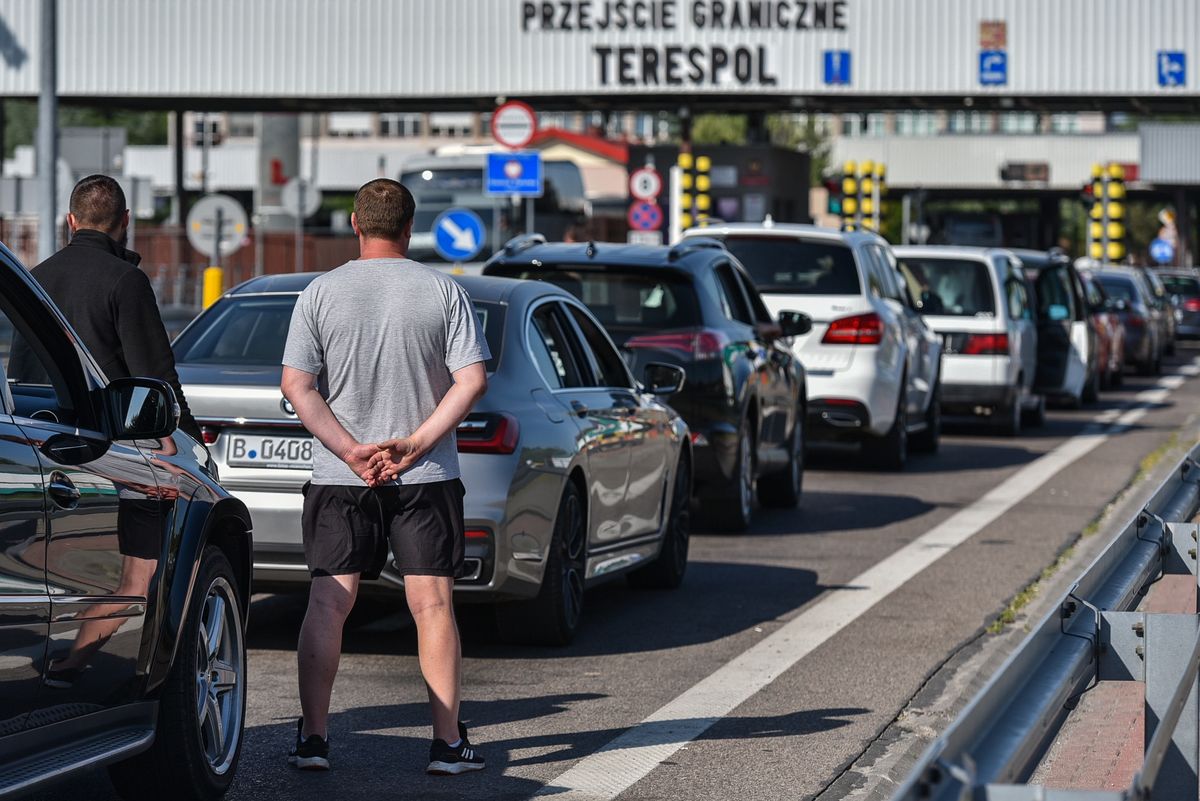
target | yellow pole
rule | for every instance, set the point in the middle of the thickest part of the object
(214, 282)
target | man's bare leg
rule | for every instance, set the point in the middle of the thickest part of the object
(438, 648)
(320, 648)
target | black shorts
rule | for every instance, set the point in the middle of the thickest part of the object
(348, 529)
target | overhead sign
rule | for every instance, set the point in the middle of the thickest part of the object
(1162, 251)
(458, 234)
(1172, 68)
(213, 218)
(837, 67)
(300, 198)
(514, 174)
(993, 67)
(514, 124)
(645, 215)
(1031, 171)
(645, 184)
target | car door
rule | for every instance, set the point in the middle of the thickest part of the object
(104, 523)
(779, 390)
(922, 349)
(1061, 350)
(24, 603)
(645, 428)
(563, 363)
(1021, 328)
(751, 367)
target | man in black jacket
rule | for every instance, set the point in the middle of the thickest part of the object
(109, 302)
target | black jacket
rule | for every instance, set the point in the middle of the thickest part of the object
(111, 305)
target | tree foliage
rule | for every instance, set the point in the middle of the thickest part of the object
(142, 127)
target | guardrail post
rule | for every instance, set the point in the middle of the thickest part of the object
(1182, 556)
(1169, 643)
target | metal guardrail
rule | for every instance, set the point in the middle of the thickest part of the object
(996, 742)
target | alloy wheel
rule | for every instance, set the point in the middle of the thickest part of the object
(746, 486)
(220, 672)
(572, 544)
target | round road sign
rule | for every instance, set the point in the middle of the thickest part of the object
(1162, 251)
(514, 124)
(458, 234)
(645, 184)
(213, 212)
(290, 198)
(645, 215)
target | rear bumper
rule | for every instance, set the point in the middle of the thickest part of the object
(972, 399)
(837, 422)
(862, 399)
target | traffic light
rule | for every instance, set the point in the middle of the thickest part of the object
(695, 181)
(1106, 231)
(863, 186)
(833, 195)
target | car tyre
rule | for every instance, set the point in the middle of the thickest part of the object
(1091, 390)
(929, 439)
(202, 710)
(734, 514)
(552, 616)
(782, 490)
(1010, 418)
(1035, 416)
(890, 452)
(668, 568)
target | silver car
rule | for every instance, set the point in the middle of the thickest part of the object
(575, 472)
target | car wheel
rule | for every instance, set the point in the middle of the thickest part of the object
(1091, 389)
(782, 490)
(203, 706)
(1035, 416)
(552, 617)
(928, 440)
(734, 514)
(667, 570)
(1010, 418)
(1170, 349)
(890, 452)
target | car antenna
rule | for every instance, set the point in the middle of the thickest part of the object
(591, 250)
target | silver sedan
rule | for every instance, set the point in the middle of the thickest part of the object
(575, 471)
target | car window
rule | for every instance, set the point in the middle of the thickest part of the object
(759, 309)
(1183, 285)
(874, 279)
(1095, 297)
(735, 303)
(795, 266)
(1119, 288)
(551, 351)
(41, 371)
(887, 272)
(1017, 298)
(610, 368)
(953, 287)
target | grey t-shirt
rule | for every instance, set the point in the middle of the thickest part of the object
(384, 337)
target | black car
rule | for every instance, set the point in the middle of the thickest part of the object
(1183, 286)
(693, 305)
(124, 573)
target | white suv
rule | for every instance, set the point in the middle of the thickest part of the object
(873, 365)
(978, 300)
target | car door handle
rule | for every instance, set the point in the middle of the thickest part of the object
(63, 491)
(580, 408)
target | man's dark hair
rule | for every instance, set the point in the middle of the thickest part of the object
(98, 202)
(383, 208)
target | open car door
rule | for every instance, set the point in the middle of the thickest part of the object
(1064, 341)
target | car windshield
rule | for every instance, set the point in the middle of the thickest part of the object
(626, 301)
(1118, 288)
(1183, 285)
(251, 331)
(796, 266)
(961, 287)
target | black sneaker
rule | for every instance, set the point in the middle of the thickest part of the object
(311, 753)
(447, 761)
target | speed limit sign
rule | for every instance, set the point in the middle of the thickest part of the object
(645, 184)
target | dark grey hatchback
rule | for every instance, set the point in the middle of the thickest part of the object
(124, 573)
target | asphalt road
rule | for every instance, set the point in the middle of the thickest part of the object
(536, 713)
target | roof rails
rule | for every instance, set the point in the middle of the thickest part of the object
(518, 243)
(694, 243)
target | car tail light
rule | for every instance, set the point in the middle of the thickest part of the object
(1192, 305)
(699, 344)
(209, 434)
(861, 329)
(488, 433)
(477, 534)
(986, 345)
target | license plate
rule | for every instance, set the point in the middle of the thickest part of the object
(293, 453)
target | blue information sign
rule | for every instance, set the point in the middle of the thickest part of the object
(1172, 68)
(993, 67)
(458, 234)
(1162, 251)
(837, 67)
(513, 174)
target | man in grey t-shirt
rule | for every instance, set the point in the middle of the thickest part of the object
(384, 359)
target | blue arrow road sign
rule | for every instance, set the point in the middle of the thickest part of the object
(458, 234)
(837, 67)
(1172, 68)
(1162, 251)
(513, 174)
(993, 67)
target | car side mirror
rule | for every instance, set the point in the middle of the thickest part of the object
(794, 323)
(663, 379)
(140, 408)
(1120, 304)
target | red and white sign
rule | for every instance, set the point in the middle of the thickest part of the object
(514, 124)
(645, 215)
(645, 184)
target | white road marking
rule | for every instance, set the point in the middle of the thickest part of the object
(632, 755)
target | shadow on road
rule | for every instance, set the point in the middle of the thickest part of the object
(822, 512)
